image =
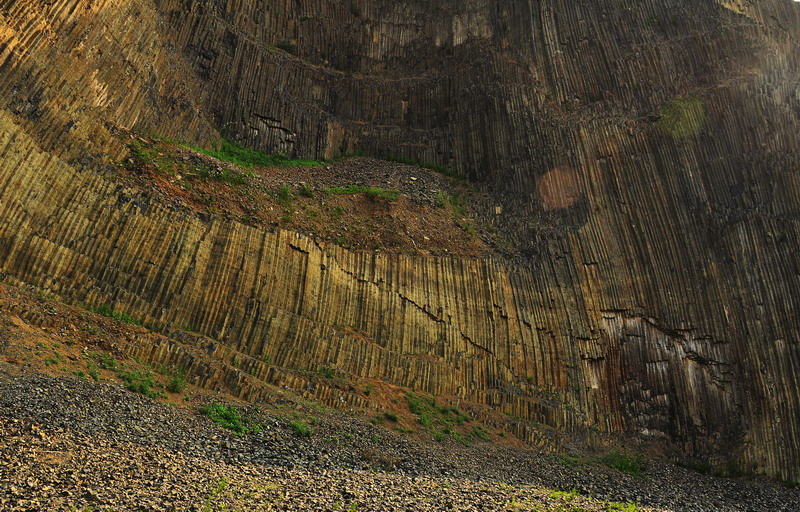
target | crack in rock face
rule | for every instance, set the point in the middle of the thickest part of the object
(628, 157)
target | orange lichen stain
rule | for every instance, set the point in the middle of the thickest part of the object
(558, 188)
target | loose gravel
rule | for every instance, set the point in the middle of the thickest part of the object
(67, 444)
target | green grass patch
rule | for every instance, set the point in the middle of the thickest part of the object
(565, 495)
(288, 46)
(141, 382)
(168, 162)
(328, 373)
(683, 116)
(388, 195)
(469, 227)
(226, 175)
(442, 199)
(222, 486)
(479, 432)
(91, 369)
(459, 438)
(631, 465)
(442, 421)
(301, 429)
(144, 153)
(337, 212)
(569, 461)
(107, 362)
(230, 418)
(54, 359)
(305, 190)
(284, 195)
(106, 310)
(233, 152)
(177, 382)
(621, 507)
(232, 177)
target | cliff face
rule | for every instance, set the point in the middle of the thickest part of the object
(644, 154)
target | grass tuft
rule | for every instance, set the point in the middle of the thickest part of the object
(613, 506)
(301, 429)
(284, 195)
(305, 190)
(177, 382)
(287, 46)
(107, 362)
(631, 465)
(231, 151)
(106, 310)
(230, 418)
(328, 373)
(140, 382)
(442, 421)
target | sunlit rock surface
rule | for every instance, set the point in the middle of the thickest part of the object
(645, 155)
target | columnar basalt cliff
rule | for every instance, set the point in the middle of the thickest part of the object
(644, 155)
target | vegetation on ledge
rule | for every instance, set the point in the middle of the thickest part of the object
(233, 152)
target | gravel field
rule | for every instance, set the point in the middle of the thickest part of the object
(68, 444)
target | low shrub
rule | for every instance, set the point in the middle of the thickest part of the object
(140, 382)
(326, 372)
(177, 382)
(305, 190)
(106, 310)
(301, 429)
(631, 465)
(230, 418)
(107, 362)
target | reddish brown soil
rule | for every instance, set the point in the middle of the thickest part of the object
(431, 215)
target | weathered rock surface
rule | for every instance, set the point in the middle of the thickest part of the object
(84, 444)
(645, 153)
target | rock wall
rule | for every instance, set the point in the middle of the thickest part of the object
(74, 71)
(539, 345)
(644, 153)
(431, 81)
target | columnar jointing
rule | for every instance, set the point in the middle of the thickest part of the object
(645, 154)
